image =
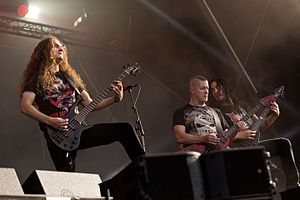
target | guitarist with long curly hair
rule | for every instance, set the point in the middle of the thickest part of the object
(50, 91)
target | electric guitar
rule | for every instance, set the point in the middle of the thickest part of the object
(224, 138)
(262, 118)
(70, 140)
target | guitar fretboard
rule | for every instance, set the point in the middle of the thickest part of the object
(247, 118)
(102, 95)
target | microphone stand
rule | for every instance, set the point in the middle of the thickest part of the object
(139, 127)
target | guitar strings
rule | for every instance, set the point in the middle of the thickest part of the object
(79, 118)
(60, 135)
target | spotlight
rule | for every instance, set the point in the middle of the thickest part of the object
(81, 18)
(22, 9)
(33, 12)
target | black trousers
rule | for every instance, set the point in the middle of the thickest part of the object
(97, 135)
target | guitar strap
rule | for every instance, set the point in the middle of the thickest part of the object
(75, 88)
(217, 120)
(71, 83)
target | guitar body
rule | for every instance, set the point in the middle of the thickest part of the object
(68, 140)
(204, 148)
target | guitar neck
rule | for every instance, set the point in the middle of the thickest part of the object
(102, 95)
(263, 102)
(260, 120)
(247, 118)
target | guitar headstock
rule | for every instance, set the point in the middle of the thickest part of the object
(132, 68)
(278, 92)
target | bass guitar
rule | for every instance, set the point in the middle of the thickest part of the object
(70, 140)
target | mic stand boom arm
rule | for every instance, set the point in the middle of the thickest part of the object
(139, 127)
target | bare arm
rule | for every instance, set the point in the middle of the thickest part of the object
(185, 138)
(245, 134)
(28, 108)
(244, 131)
(118, 89)
(272, 117)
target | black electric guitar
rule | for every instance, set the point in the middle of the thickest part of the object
(69, 140)
(224, 138)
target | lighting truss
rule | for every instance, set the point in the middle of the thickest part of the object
(39, 31)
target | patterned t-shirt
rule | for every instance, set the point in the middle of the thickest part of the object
(58, 99)
(197, 120)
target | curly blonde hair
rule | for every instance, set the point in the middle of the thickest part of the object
(39, 70)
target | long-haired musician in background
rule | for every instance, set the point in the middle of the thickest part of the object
(49, 89)
(223, 98)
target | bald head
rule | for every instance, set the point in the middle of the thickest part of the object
(198, 88)
(194, 80)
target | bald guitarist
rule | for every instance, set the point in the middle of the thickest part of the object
(197, 123)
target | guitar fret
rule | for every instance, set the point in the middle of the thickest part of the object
(108, 90)
(104, 93)
(123, 75)
(261, 119)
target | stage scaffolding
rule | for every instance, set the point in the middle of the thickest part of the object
(37, 30)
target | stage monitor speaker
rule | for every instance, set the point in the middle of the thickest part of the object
(291, 194)
(9, 182)
(239, 172)
(173, 176)
(66, 184)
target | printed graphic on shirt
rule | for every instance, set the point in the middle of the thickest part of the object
(199, 121)
(60, 95)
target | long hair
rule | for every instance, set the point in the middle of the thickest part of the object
(229, 94)
(39, 70)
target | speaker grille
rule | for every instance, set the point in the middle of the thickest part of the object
(67, 184)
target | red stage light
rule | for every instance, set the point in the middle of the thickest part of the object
(22, 10)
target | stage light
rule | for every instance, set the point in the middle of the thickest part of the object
(22, 9)
(33, 12)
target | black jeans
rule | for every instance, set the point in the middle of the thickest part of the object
(282, 148)
(97, 135)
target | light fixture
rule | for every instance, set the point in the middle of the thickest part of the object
(22, 8)
(33, 12)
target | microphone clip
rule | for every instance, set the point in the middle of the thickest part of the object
(129, 87)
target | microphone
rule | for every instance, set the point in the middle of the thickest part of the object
(129, 87)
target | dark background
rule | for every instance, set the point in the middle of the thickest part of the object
(171, 40)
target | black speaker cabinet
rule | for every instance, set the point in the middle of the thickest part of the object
(291, 194)
(175, 176)
(66, 184)
(237, 173)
